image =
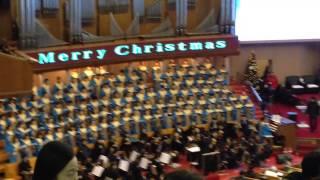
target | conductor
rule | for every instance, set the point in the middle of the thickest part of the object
(313, 112)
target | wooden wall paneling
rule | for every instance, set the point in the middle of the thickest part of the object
(16, 76)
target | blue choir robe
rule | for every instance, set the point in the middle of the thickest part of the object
(33, 128)
(11, 120)
(11, 107)
(143, 125)
(163, 76)
(204, 117)
(92, 134)
(240, 109)
(125, 123)
(37, 144)
(181, 118)
(163, 121)
(184, 93)
(188, 116)
(57, 87)
(118, 102)
(156, 76)
(249, 110)
(24, 105)
(56, 112)
(43, 90)
(197, 116)
(147, 119)
(57, 98)
(114, 128)
(24, 117)
(141, 97)
(163, 94)
(83, 85)
(68, 139)
(13, 149)
(102, 135)
(93, 84)
(189, 82)
(72, 86)
(229, 111)
(95, 116)
(265, 130)
(106, 91)
(220, 113)
(20, 133)
(70, 97)
(122, 78)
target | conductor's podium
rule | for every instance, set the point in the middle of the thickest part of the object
(286, 128)
(16, 76)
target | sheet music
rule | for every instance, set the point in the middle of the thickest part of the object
(133, 156)
(165, 158)
(97, 171)
(124, 165)
(144, 163)
(104, 159)
(194, 149)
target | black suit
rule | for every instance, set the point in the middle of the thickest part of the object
(313, 112)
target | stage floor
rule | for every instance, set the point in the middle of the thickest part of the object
(281, 109)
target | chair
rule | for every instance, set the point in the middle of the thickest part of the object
(293, 84)
(11, 171)
(311, 84)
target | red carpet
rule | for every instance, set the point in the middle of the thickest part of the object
(228, 174)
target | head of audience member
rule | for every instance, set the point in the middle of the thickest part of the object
(56, 161)
(311, 166)
(182, 175)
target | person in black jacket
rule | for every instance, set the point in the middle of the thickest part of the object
(313, 112)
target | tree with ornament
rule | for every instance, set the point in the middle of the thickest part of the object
(251, 74)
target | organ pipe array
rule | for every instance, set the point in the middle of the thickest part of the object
(227, 16)
(80, 12)
(88, 10)
(75, 22)
(182, 16)
(153, 12)
(50, 6)
(27, 23)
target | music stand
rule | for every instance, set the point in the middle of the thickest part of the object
(210, 162)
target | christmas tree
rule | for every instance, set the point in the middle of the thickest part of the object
(251, 74)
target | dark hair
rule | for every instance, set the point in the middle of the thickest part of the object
(311, 165)
(52, 158)
(182, 175)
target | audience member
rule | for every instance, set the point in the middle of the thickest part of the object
(56, 162)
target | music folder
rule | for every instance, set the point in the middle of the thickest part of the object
(97, 171)
(165, 158)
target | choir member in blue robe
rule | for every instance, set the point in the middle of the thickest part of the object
(37, 143)
(24, 104)
(12, 146)
(72, 85)
(84, 84)
(10, 105)
(58, 86)
(44, 88)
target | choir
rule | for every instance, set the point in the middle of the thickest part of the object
(105, 107)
